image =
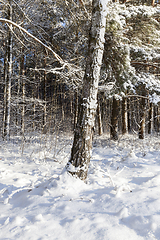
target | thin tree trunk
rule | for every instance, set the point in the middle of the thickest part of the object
(76, 109)
(9, 75)
(136, 108)
(114, 119)
(82, 144)
(100, 129)
(44, 95)
(34, 90)
(22, 72)
(5, 90)
(142, 112)
(129, 114)
(158, 118)
(34, 105)
(62, 102)
(153, 2)
(109, 112)
(124, 116)
(150, 124)
(18, 97)
(142, 125)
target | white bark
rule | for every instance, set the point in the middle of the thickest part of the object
(82, 145)
(124, 116)
(9, 73)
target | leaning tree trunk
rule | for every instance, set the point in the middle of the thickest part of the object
(114, 119)
(82, 144)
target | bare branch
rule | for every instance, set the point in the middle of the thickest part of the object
(138, 96)
(145, 64)
(59, 59)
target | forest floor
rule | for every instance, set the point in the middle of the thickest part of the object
(120, 199)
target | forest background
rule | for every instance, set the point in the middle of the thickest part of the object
(43, 58)
(48, 56)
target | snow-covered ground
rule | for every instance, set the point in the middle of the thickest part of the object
(119, 201)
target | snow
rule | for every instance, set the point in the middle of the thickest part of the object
(120, 199)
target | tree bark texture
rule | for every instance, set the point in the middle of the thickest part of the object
(44, 95)
(76, 109)
(142, 112)
(99, 119)
(150, 116)
(156, 119)
(4, 91)
(142, 120)
(8, 76)
(124, 116)
(129, 114)
(114, 119)
(82, 144)
(22, 73)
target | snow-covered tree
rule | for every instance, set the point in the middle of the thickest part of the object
(131, 54)
(82, 144)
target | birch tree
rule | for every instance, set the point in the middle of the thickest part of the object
(7, 89)
(124, 116)
(82, 144)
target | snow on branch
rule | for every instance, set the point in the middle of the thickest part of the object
(70, 70)
(59, 59)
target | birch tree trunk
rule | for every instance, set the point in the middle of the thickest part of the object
(76, 109)
(124, 116)
(8, 75)
(22, 72)
(142, 122)
(44, 95)
(82, 144)
(4, 91)
(153, 2)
